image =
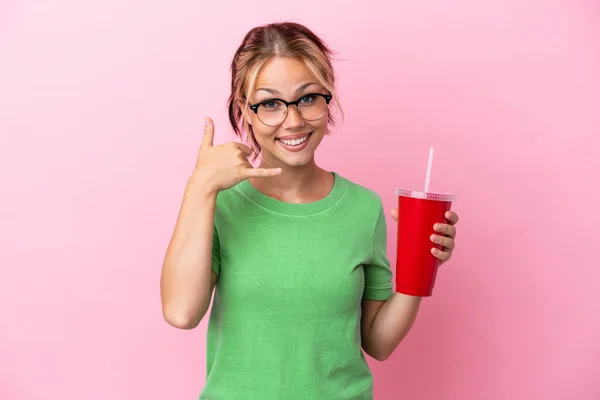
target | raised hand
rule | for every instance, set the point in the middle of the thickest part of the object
(221, 167)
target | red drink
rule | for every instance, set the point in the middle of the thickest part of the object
(416, 266)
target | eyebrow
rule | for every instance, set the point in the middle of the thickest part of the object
(276, 92)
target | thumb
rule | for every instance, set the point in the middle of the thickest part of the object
(209, 134)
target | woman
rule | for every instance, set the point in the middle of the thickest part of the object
(296, 254)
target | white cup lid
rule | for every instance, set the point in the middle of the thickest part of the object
(425, 196)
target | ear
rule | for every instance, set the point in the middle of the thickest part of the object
(245, 112)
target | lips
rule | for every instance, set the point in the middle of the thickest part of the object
(294, 142)
(296, 136)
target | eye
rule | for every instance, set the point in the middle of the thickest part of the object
(270, 104)
(309, 98)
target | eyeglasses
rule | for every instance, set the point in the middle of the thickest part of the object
(311, 107)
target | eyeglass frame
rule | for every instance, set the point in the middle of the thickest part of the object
(327, 97)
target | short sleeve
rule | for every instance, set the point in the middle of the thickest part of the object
(378, 274)
(216, 253)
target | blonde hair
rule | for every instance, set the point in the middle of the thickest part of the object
(283, 39)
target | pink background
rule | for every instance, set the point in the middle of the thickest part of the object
(101, 109)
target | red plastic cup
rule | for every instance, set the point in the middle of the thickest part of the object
(416, 266)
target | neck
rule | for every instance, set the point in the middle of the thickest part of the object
(294, 184)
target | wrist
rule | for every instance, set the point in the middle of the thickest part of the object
(200, 184)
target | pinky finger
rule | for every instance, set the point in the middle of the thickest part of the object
(441, 255)
(262, 172)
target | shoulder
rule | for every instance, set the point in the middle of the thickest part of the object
(230, 200)
(364, 207)
(361, 196)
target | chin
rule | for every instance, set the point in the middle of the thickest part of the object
(292, 160)
(297, 161)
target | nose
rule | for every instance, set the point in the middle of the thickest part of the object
(293, 119)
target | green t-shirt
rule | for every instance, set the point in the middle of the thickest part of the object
(285, 319)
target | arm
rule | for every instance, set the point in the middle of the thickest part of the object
(387, 316)
(385, 323)
(187, 280)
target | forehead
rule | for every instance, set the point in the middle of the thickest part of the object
(284, 74)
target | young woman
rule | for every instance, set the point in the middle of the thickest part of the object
(295, 254)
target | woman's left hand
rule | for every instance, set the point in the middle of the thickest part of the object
(445, 238)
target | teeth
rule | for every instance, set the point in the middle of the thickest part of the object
(294, 142)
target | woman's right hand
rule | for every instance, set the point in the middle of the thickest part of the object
(221, 167)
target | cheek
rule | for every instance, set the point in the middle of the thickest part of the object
(321, 124)
(263, 133)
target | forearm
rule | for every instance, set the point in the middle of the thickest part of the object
(390, 325)
(186, 272)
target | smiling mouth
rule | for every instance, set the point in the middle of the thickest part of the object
(296, 141)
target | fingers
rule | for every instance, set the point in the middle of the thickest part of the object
(443, 241)
(261, 172)
(448, 230)
(394, 213)
(209, 134)
(452, 217)
(446, 240)
(243, 148)
(443, 256)
(209, 137)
